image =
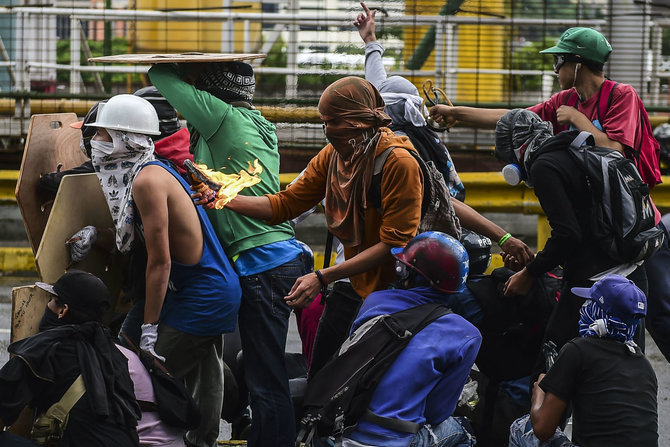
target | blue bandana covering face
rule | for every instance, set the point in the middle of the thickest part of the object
(594, 322)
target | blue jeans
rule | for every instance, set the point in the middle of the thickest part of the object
(658, 297)
(521, 435)
(449, 433)
(263, 323)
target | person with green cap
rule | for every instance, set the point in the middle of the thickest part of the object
(579, 57)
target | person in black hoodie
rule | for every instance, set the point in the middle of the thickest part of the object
(565, 198)
(72, 341)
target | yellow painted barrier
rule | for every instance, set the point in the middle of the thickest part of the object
(486, 192)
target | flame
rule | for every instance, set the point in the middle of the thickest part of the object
(232, 184)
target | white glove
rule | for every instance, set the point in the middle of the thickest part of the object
(81, 242)
(149, 338)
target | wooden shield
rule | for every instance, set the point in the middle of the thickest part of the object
(176, 57)
(28, 304)
(79, 202)
(50, 142)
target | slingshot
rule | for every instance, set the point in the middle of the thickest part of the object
(434, 96)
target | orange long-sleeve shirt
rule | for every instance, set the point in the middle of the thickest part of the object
(402, 192)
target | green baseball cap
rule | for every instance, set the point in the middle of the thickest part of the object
(584, 42)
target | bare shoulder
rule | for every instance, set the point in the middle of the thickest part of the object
(152, 180)
(150, 176)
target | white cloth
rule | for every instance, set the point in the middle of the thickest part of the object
(622, 269)
(116, 165)
(149, 338)
(412, 107)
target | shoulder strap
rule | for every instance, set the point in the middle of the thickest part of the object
(411, 321)
(605, 98)
(380, 160)
(60, 409)
(571, 100)
(129, 343)
(580, 139)
(392, 423)
(375, 190)
(329, 250)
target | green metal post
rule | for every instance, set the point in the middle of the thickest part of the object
(427, 43)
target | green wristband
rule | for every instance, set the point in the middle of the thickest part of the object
(504, 239)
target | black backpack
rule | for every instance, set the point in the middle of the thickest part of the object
(622, 219)
(437, 212)
(512, 327)
(339, 394)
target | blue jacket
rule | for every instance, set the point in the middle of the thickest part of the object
(425, 381)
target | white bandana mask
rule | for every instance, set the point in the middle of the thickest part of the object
(117, 163)
(103, 147)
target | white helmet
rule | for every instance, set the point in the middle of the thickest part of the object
(128, 113)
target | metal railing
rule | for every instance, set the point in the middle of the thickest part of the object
(446, 29)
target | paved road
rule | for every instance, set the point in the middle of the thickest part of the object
(661, 367)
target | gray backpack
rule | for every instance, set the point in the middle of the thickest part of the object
(622, 219)
(437, 211)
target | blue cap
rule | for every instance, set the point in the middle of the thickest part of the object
(617, 296)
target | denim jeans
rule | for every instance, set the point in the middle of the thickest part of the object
(449, 433)
(658, 298)
(521, 435)
(263, 322)
(342, 304)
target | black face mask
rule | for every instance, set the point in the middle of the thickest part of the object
(50, 320)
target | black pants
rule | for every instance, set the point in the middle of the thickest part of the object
(342, 305)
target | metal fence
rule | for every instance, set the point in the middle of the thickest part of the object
(482, 52)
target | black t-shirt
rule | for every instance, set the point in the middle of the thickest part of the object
(560, 186)
(612, 392)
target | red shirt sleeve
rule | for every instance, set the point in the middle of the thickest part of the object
(621, 123)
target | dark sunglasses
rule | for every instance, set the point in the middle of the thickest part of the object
(559, 60)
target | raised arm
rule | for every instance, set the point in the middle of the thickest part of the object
(365, 23)
(374, 66)
(196, 106)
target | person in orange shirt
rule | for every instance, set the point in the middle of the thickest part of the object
(356, 126)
